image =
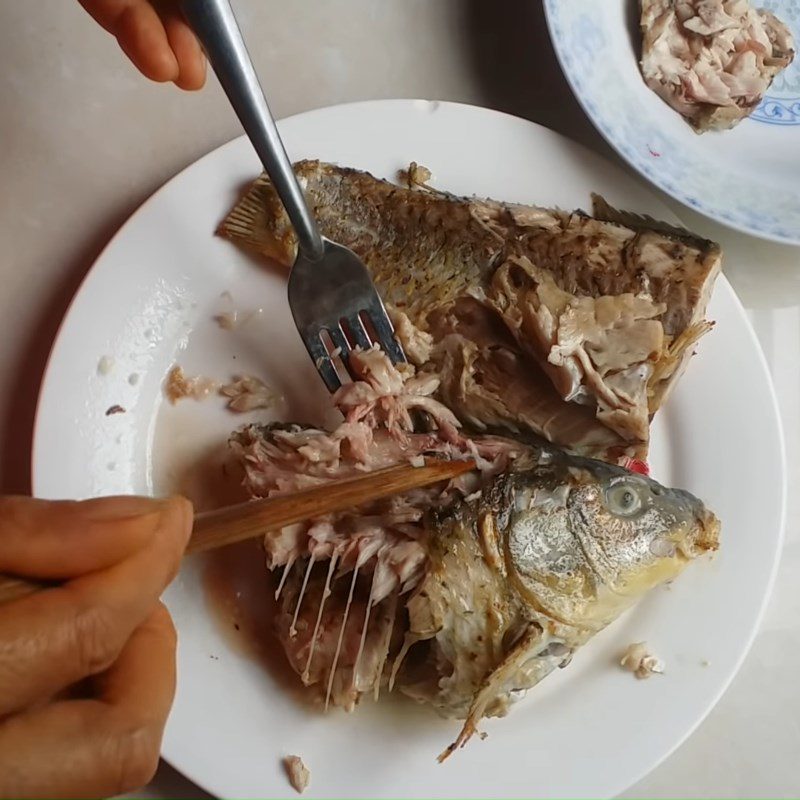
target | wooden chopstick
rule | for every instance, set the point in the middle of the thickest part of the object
(213, 529)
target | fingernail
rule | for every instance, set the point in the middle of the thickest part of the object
(111, 509)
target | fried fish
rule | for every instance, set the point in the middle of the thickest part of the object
(572, 326)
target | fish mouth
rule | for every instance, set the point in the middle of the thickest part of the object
(704, 533)
(709, 525)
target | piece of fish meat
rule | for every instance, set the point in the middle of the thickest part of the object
(638, 659)
(298, 773)
(247, 393)
(178, 386)
(571, 326)
(466, 594)
(712, 60)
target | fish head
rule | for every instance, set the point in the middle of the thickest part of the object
(584, 539)
(635, 532)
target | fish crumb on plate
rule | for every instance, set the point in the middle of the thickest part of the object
(248, 393)
(244, 393)
(231, 320)
(227, 320)
(298, 773)
(712, 60)
(178, 386)
(638, 659)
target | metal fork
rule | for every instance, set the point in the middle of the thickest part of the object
(330, 289)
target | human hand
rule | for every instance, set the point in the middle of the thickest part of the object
(155, 37)
(87, 669)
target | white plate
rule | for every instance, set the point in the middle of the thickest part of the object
(746, 178)
(589, 730)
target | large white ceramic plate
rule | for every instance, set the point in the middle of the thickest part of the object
(590, 730)
(746, 178)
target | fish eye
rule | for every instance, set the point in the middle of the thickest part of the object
(623, 500)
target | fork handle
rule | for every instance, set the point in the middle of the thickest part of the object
(215, 25)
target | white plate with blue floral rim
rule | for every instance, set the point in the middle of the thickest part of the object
(747, 178)
(150, 300)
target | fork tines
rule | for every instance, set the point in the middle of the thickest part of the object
(336, 309)
(330, 345)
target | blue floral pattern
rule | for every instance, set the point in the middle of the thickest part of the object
(782, 105)
(777, 111)
(586, 35)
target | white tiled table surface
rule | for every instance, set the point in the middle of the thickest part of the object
(83, 140)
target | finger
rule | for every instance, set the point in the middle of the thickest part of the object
(140, 33)
(142, 679)
(101, 747)
(108, 12)
(64, 539)
(187, 50)
(59, 636)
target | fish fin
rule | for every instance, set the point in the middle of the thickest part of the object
(605, 212)
(416, 177)
(492, 684)
(259, 223)
(662, 379)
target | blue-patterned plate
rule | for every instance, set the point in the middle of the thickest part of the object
(747, 178)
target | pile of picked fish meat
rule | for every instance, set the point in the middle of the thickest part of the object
(712, 60)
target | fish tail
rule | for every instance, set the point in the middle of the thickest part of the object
(259, 223)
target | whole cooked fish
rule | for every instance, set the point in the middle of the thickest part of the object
(571, 326)
(712, 60)
(463, 595)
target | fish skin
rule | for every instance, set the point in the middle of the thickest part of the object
(404, 237)
(431, 252)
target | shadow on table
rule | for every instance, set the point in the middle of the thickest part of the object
(515, 66)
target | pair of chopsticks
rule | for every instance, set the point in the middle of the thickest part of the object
(214, 529)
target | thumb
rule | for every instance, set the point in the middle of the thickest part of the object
(65, 539)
